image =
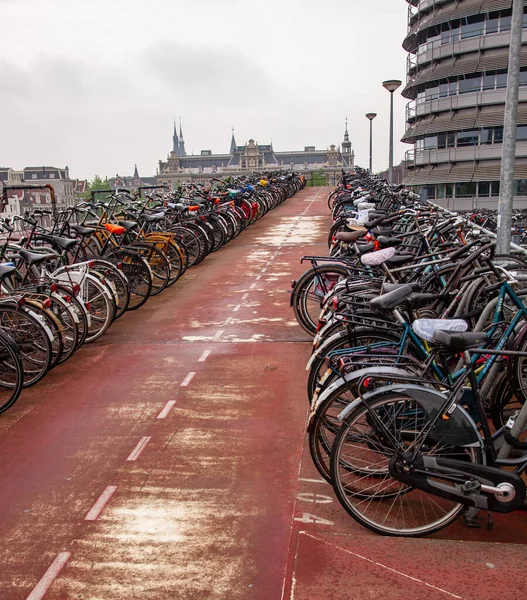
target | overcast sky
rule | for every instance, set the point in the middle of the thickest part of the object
(95, 84)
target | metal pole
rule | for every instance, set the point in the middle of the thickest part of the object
(390, 172)
(371, 144)
(509, 132)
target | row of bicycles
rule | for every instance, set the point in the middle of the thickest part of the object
(66, 276)
(417, 379)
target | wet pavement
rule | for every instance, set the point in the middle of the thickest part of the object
(168, 460)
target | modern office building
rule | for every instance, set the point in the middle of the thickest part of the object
(458, 53)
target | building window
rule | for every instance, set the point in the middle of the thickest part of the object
(521, 132)
(472, 26)
(495, 188)
(520, 187)
(469, 137)
(484, 189)
(52, 175)
(465, 190)
(33, 175)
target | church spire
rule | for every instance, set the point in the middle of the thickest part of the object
(346, 144)
(233, 143)
(182, 151)
(175, 140)
(136, 173)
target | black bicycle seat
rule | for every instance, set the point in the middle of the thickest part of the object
(459, 341)
(392, 299)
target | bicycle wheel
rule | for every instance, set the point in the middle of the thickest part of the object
(309, 292)
(11, 372)
(158, 263)
(99, 302)
(117, 282)
(137, 273)
(360, 473)
(32, 338)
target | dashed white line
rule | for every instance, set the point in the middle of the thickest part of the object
(188, 379)
(245, 296)
(218, 335)
(204, 356)
(39, 591)
(236, 308)
(264, 270)
(138, 450)
(227, 321)
(252, 286)
(312, 480)
(166, 410)
(258, 277)
(103, 500)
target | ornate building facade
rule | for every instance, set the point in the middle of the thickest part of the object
(250, 156)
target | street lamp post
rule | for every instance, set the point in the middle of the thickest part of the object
(371, 116)
(391, 85)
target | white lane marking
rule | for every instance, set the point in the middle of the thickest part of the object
(218, 335)
(313, 480)
(236, 308)
(166, 410)
(252, 286)
(264, 270)
(227, 321)
(103, 500)
(204, 356)
(188, 379)
(245, 296)
(384, 566)
(258, 277)
(138, 450)
(49, 576)
(315, 498)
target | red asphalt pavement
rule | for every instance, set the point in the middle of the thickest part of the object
(168, 460)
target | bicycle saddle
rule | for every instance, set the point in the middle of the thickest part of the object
(392, 299)
(128, 225)
(386, 242)
(81, 230)
(350, 237)
(6, 270)
(399, 260)
(34, 258)
(153, 218)
(458, 341)
(64, 243)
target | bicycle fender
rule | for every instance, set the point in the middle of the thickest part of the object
(357, 375)
(458, 430)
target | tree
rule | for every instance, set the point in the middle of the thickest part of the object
(97, 183)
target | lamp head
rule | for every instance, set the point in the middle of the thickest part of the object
(392, 84)
(371, 116)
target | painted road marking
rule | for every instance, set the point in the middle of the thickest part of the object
(218, 335)
(245, 296)
(236, 308)
(315, 498)
(103, 500)
(204, 356)
(252, 286)
(166, 410)
(383, 566)
(258, 277)
(309, 518)
(138, 450)
(264, 270)
(49, 576)
(227, 321)
(312, 480)
(188, 379)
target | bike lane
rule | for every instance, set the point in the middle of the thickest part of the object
(169, 459)
(159, 462)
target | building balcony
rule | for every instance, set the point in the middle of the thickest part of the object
(436, 156)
